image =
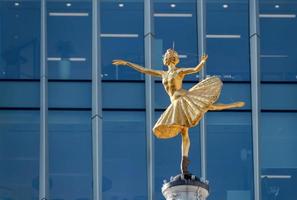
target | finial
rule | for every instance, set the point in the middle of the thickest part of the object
(173, 45)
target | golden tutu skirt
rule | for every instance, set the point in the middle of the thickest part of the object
(188, 109)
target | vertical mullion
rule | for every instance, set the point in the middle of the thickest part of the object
(43, 160)
(96, 104)
(255, 91)
(149, 94)
(201, 20)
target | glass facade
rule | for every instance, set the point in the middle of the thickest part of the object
(279, 89)
(132, 163)
(227, 31)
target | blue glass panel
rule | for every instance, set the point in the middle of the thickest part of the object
(124, 156)
(123, 95)
(70, 155)
(69, 95)
(279, 96)
(228, 39)
(278, 40)
(278, 155)
(19, 155)
(19, 48)
(69, 39)
(19, 94)
(176, 23)
(231, 92)
(122, 37)
(229, 155)
(168, 157)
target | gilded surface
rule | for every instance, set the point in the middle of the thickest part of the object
(187, 106)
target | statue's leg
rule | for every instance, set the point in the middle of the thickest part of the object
(226, 106)
(185, 151)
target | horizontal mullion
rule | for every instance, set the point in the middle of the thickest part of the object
(196, 81)
(19, 80)
(69, 109)
(123, 109)
(51, 108)
(49, 80)
(230, 110)
(279, 82)
(123, 81)
(70, 80)
(19, 108)
(279, 110)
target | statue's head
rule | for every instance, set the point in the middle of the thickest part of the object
(170, 57)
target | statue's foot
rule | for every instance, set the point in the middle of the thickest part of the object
(184, 165)
(220, 106)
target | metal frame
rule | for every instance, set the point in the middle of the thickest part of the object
(255, 91)
(149, 94)
(201, 19)
(43, 160)
(96, 103)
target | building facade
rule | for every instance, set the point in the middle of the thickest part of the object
(73, 126)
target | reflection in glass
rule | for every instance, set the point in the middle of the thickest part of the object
(227, 35)
(278, 155)
(70, 155)
(122, 37)
(19, 48)
(278, 25)
(69, 39)
(123, 95)
(229, 155)
(124, 155)
(19, 155)
(279, 96)
(69, 95)
(19, 94)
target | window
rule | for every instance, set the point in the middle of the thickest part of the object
(229, 155)
(278, 41)
(19, 154)
(227, 37)
(69, 39)
(279, 162)
(19, 94)
(279, 96)
(19, 48)
(123, 95)
(69, 95)
(124, 155)
(122, 37)
(70, 155)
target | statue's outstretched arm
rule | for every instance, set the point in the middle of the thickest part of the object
(196, 69)
(139, 68)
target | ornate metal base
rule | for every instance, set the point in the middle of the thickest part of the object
(185, 187)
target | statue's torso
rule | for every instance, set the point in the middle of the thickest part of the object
(172, 82)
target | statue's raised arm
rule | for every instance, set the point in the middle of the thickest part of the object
(196, 69)
(157, 73)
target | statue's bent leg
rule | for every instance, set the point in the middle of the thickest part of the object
(226, 106)
(185, 151)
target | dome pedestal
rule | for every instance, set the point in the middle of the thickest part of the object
(185, 187)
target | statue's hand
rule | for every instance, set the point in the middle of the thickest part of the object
(204, 58)
(119, 62)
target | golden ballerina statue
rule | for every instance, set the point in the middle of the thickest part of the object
(187, 106)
